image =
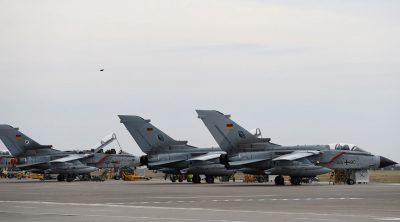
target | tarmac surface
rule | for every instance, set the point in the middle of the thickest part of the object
(158, 200)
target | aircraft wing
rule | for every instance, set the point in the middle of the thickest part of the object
(70, 158)
(160, 163)
(208, 156)
(244, 162)
(297, 155)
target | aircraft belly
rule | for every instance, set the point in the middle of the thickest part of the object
(211, 169)
(299, 171)
(178, 165)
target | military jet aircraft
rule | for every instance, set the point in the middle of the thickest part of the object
(173, 157)
(109, 159)
(44, 159)
(256, 155)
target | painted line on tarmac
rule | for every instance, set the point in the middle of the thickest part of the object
(243, 200)
(315, 219)
(225, 196)
(118, 216)
(191, 208)
(388, 218)
(27, 207)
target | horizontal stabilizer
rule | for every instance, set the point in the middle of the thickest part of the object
(297, 155)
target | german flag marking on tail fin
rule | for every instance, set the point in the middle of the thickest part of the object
(229, 125)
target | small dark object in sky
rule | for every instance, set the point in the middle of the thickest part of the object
(101, 70)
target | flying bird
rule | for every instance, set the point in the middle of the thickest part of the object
(101, 70)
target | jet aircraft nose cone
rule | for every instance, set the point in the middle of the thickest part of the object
(384, 162)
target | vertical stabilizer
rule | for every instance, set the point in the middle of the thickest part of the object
(148, 137)
(228, 134)
(15, 141)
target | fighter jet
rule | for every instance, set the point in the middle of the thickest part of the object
(109, 159)
(38, 158)
(254, 155)
(171, 156)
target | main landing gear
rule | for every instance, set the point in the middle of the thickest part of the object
(196, 179)
(68, 177)
(209, 179)
(279, 180)
(295, 181)
(61, 177)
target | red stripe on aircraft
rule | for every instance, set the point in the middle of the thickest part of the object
(335, 158)
(104, 158)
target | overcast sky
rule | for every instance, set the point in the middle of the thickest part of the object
(305, 72)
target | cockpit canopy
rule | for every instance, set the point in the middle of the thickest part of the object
(351, 147)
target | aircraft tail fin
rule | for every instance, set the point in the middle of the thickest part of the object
(147, 136)
(228, 134)
(16, 142)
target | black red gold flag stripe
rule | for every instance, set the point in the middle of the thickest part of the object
(229, 125)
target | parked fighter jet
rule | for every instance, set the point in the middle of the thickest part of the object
(256, 155)
(39, 158)
(173, 157)
(109, 159)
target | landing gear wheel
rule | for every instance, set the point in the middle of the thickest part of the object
(279, 181)
(196, 179)
(61, 177)
(209, 179)
(180, 178)
(260, 179)
(350, 182)
(295, 181)
(173, 178)
(70, 177)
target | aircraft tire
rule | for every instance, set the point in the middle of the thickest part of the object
(209, 179)
(196, 179)
(70, 178)
(279, 181)
(350, 182)
(61, 177)
(260, 179)
(295, 181)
